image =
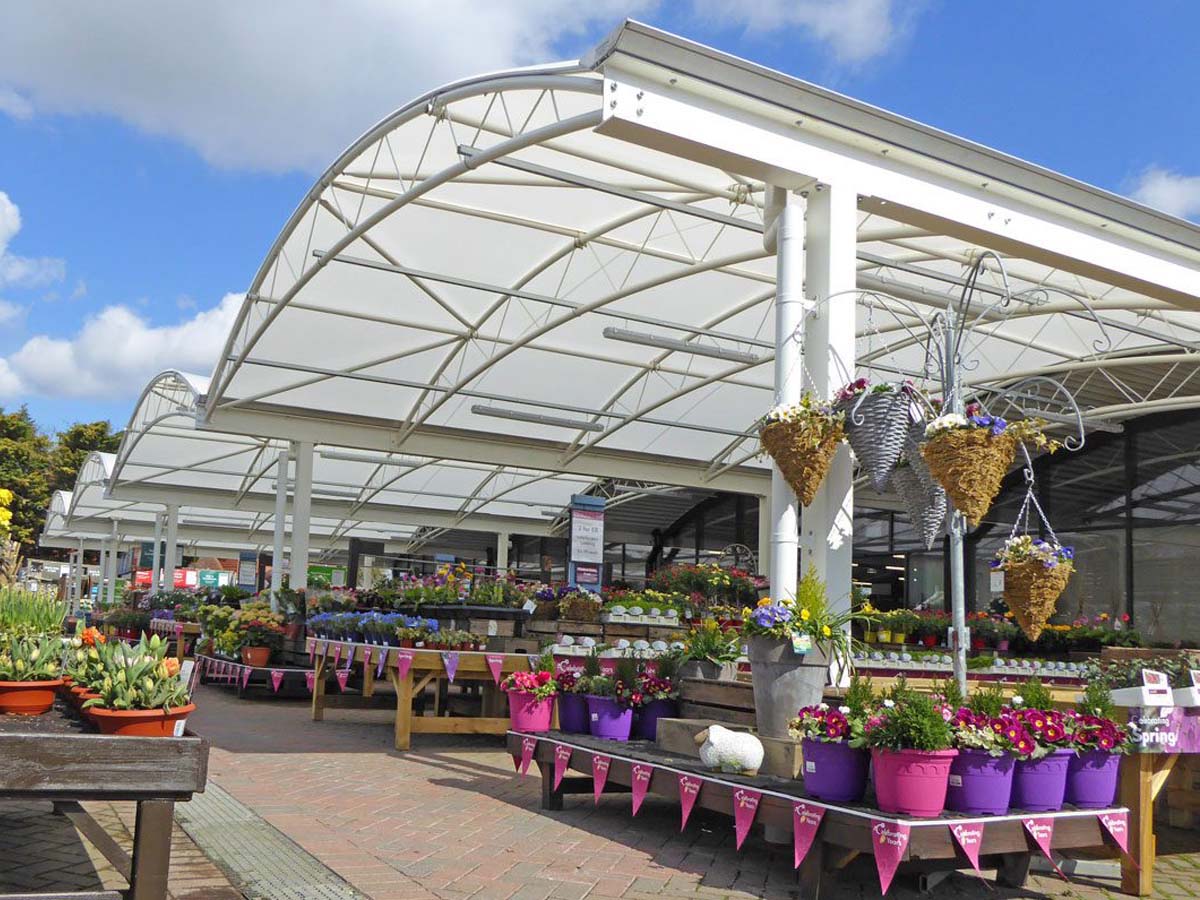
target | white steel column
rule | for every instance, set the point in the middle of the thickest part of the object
(101, 589)
(764, 535)
(828, 534)
(281, 482)
(789, 315)
(156, 555)
(301, 510)
(170, 549)
(501, 552)
(115, 545)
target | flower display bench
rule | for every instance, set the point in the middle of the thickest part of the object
(53, 757)
(828, 836)
(410, 672)
(184, 634)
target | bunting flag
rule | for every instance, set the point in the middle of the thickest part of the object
(642, 773)
(527, 747)
(969, 839)
(349, 658)
(495, 662)
(404, 660)
(382, 661)
(337, 655)
(450, 661)
(367, 651)
(310, 679)
(246, 670)
(889, 840)
(562, 756)
(1041, 829)
(806, 820)
(745, 805)
(179, 632)
(342, 676)
(276, 679)
(1116, 826)
(689, 790)
(312, 653)
(600, 766)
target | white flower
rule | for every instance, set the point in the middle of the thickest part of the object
(1017, 700)
(948, 422)
(823, 706)
(844, 710)
(889, 703)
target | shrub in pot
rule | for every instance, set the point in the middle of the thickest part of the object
(572, 704)
(981, 775)
(911, 745)
(656, 697)
(709, 651)
(1100, 742)
(610, 701)
(141, 694)
(1043, 751)
(531, 698)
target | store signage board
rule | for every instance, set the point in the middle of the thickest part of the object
(587, 535)
(248, 570)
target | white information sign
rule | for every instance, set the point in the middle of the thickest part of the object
(587, 535)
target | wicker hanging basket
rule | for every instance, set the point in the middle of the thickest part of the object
(1031, 590)
(925, 504)
(970, 464)
(803, 451)
(876, 426)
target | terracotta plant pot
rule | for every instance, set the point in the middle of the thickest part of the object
(142, 722)
(27, 698)
(294, 631)
(256, 657)
(930, 640)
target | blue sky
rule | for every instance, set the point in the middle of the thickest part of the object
(152, 159)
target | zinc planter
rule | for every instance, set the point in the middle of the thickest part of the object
(912, 782)
(141, 722)
(1092, 779)
(609, 719)
(708, 670)
(527, 713)
(784, 681)
(648, 716)
(1040, 785)
(27, 698)
(835, 772)
(980, 784)
(573, 713)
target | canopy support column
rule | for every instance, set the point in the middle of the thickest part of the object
(114, 545)
(301, 511)
(172, 539)
(501, 552)
(828, 535)
(789, 316)
(101, 586)
(281, 482)
(79, 570)
(156, 556)
(764, 536)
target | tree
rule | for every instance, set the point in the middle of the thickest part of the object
(73, 446)
(24, 470)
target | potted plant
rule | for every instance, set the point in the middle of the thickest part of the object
(802, 440)
(1005, 631)
(831, 744)
(791, 643)
(875, 420)
(656, 696)
(572, 704)
(1040, 775)
(983, 631)
(259, 639)
(931, 628)
(30, 673)
(903, 624)
(985, 734)
(141, 694)
(1035, 575)
(610, 701)
(531, 698)
(710, 652)
(1100, 741)
(911, 745)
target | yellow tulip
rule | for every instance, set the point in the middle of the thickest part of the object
(826, 631)
(805, 615)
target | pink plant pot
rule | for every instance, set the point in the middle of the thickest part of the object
(912, 782)
(527, 713)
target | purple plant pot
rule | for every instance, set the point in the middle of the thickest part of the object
(1039, 785)
(648, 716)
(835, 772)
(980, 784)
(573, 713)
(608, 718)
(1092, 779)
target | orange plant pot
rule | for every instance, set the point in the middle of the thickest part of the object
(141, 722)
(27, 698)
(256, 657)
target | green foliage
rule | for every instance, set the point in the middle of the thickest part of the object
(950, 693)
(30, 657)
(139, 677)
(24, 470)
(72, 447)
(860, 696)
(913, 722)
(24, 612)
(1097, 700)
(1035, 695)
(667, 665)
(708, 641)
(988, 700)
(591, 666)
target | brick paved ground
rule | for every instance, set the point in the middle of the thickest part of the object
(450, 820)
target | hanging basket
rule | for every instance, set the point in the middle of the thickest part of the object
(1031, 590)
(925, 503)
(803, 451)
(876, 426)
(970, 464)
(914, 437)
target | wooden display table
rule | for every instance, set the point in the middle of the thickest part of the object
(53, 757)
(844, 831)
(182, 633)
(425, 668)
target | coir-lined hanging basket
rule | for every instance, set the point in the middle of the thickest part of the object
(1031, 591)
(970, 463)
(876, 425)
(803, 451)
(925, 502)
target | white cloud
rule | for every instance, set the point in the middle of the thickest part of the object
(279, 87)
(14, 104)
(22, 271)
(115, 353)
(9, 312)
(1169, 191)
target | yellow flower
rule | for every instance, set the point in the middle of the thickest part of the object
(745, 612)
(805, 615)
(825, 630)
(765, 601)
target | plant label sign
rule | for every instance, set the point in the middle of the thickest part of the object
(997, 581)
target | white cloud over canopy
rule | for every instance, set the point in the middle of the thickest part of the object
(22, 271)
(115, 353)
(282, 86)
(1169, 191)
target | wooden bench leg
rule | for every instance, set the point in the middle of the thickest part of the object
(404, 708)
(551, 799)
(151, 850)
(811, 871)
(1013, 869)
(318, 694)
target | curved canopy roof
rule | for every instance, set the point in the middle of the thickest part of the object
(519, 270)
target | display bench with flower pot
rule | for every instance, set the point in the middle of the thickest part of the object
(184, 635)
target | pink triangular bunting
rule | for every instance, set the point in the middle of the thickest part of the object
(495, 662)
(642, 773)
(179, 632)
(450, 661)
(342, 676)
(562, 756)
(1116, 826)
(528, 745)
(367, 651)
(1041, 829)
(806, 820)
(600, 766)
(745, 805)
(404, 660)
(382, 661)
(310, 679)
(889, 840)
(276, 679)
(246, 670)
(312, 652)
(969, 837)
(337, 655)
(689, 790)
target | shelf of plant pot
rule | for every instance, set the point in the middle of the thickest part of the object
(835, 830)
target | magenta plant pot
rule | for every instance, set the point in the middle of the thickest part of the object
(835, 772)
(1002, 646)
(609, 719)
(1039, 785)
(529, 714)
(1092, 779)
(980, 784)
(573, 714)
(648, 716)
(912, 782)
